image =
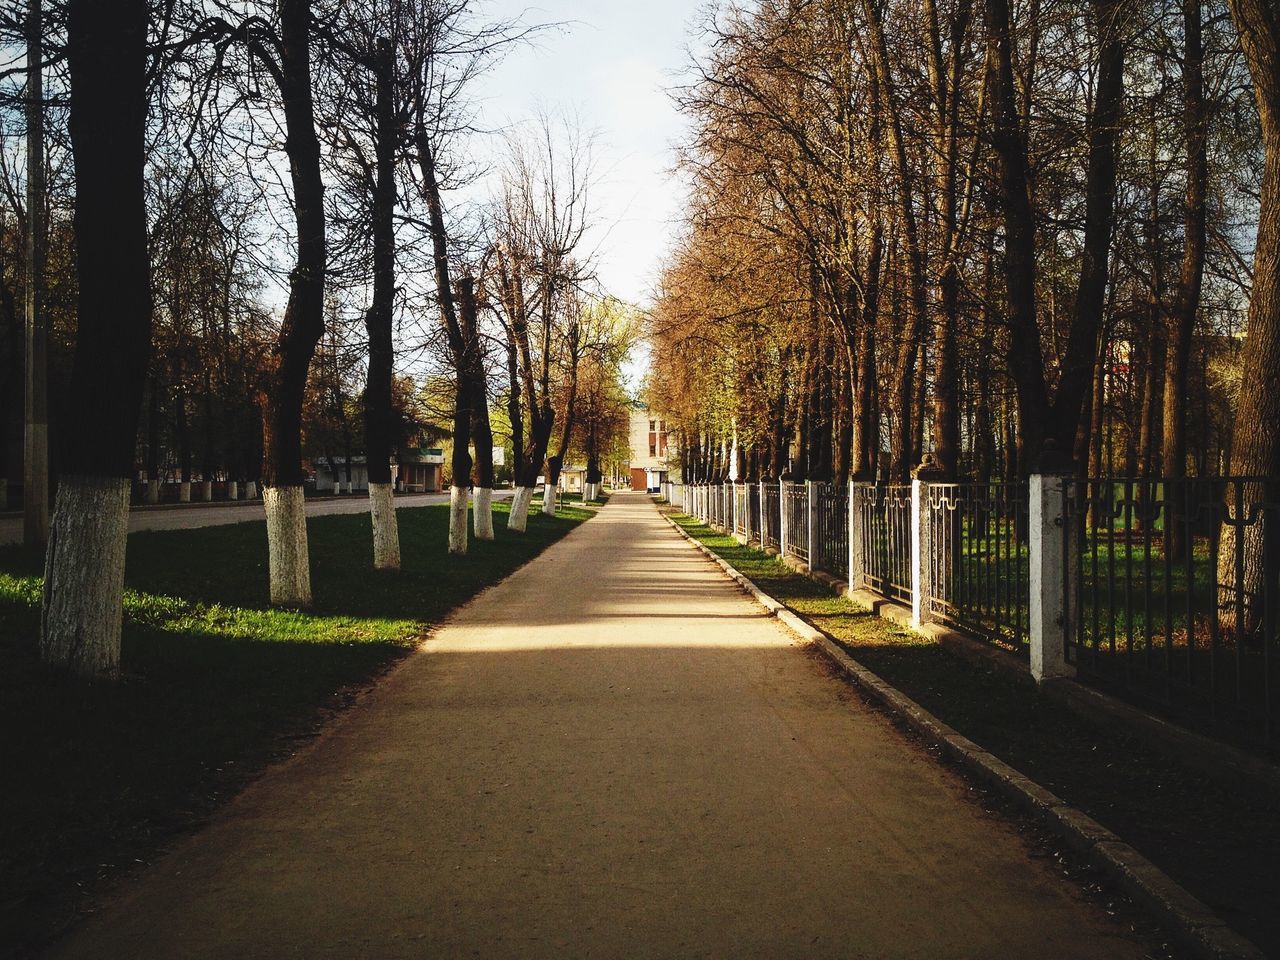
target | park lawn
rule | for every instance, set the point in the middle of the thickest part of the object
(1222, 843)
(215, 685)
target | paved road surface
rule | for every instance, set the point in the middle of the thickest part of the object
(611, 754)
(198, 515)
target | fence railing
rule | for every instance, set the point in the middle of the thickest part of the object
(770, 516)
(741, 516)
(979, 562)
(795, 502)
(1167, 592)
(1173, 593)
(883, 555)
(753, 513)
(831, 529)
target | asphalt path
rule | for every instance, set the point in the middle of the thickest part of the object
(614, 753)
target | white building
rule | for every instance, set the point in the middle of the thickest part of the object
(648, 435)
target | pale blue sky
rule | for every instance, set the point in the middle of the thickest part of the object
(610, 64)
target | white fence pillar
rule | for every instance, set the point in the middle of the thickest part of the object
(764, 520)
(855, 538)
(810, 495)
(922, 541)
(920, 552)
(1047, 519)
(782, 518)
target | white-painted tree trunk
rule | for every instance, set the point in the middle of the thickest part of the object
(287, 559)
(458, 520)
(233, 490)
(386, 532)
(184, 492)
(482, 513)
(518, 518)
(349, 487)
(206, 491)
(84, 576)
(153, 491)
(251, 490)
(549, 499)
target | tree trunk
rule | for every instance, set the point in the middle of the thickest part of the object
(287, 542)
(303, 324)
(35, 508)
(84, 568)
(1014, 199)
(481, 431)
(1100, 194)
(1255, 441)
(84, 561)
(1182, 321)
(378, 320)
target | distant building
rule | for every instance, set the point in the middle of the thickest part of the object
(648, 448)
(415, 470)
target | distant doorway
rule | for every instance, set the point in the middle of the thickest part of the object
(639, 479)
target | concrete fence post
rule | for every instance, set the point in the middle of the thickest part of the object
(782, 518)
(922, 542)
(810, 496)
(764, 520)
(855, 538)
(1049, 576)
(920, 552)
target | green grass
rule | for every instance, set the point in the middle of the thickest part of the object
(215, 685)
(1221, 843)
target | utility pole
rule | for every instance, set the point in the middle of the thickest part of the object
(35, 495)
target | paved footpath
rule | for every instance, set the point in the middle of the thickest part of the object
(613, 753)
(189, 516)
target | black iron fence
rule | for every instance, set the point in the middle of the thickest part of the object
(753, 512)
(830, 529)
(795, 501)
(884, 514)
(979, 563)
(771, 516)
(1170, 590)
(741, 518)
(1173, 593)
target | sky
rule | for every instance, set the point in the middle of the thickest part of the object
(609, 64)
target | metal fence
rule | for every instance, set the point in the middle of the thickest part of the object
(795, 501)
(741, 518)
(979, 562)
(830, 529)
(1169, 591)
(753, 513)
(771, 516)
(884, 514)
(1173, 594)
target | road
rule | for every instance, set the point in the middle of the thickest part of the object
(614, 753)
(212, 515)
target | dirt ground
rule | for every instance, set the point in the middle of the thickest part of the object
(613, 753)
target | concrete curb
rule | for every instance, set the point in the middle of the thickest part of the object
(1194, 925)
